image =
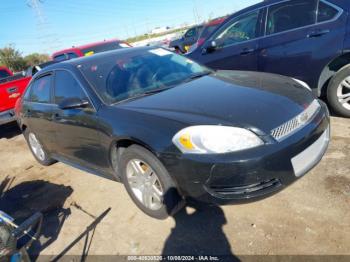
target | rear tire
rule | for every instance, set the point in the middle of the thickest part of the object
(338, 93)
(38, 150)
(148, 183)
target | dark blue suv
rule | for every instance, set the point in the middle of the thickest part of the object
(308, 40)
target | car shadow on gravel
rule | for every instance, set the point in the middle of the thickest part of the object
(23, 200)
(9, 131)
(199, 231)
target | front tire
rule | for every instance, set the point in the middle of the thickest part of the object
(37, 148)
(338, 93)
(148, 183)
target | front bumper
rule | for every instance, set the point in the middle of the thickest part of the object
(252, 174)
(7, 117)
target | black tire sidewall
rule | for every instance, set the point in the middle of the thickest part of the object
(332, 92)
(48, 160)
(171, 199)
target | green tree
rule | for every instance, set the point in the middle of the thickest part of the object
(12, 58)
(36, 58)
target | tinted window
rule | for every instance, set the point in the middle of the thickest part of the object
(191, 32)
(71, 55)
(291, 15)
(26, 95)
(4, 74)
(240, 29)
(40, 90)
(208, 30)
(60, 58)
(103, 48)
(326, 12)
(63, 57)
(119, 77)
(67, 87)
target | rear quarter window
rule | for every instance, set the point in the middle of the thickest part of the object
(291, 15)
(326, 12)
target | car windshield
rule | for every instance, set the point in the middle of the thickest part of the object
(123, 76)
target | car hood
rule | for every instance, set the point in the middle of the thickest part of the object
(245, 99)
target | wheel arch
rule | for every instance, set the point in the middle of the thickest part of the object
(117, 147)
(330, 71)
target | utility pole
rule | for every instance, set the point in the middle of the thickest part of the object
(197, 17)
(49, 40)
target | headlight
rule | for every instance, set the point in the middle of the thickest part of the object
(215, 139)
(302, 83)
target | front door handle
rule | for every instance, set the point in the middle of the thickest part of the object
(247, 51)
(318, 33)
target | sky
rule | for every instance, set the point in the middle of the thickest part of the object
(65, 23)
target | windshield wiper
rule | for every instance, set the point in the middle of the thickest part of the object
(140, 95)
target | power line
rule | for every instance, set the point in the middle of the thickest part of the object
(48, 39)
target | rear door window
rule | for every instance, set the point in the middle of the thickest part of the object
(291, 15)
(41, 90)
(326, 12)
(66, 86)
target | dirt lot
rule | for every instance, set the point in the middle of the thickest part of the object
(310, 217)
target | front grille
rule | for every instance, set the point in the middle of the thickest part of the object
(249, 189)
(285, 129)
(297, 122)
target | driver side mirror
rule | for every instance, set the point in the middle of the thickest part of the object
(73, 103)
(211, 47)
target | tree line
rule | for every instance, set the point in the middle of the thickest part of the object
(15, 61)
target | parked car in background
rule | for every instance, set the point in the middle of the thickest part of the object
(171, 129)
(11, 88)
(87, 50)
(305, 39)
(5, 72)
(208, 29)
(31, 71)
(183, 44)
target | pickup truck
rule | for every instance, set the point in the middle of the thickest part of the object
(11, 88)
(89, 49)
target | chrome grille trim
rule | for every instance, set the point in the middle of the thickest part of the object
(297, 122)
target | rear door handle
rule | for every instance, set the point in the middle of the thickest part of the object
(247, 51)
(12, 90)
(318, 33)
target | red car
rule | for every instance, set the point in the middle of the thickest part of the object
(207, 30)
(11, 89)
(89, 49)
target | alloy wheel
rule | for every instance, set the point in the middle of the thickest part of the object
(343, 93)
(145, 184)
(36, 147)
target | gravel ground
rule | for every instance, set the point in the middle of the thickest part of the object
(311, 217)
